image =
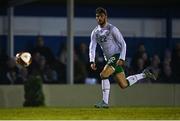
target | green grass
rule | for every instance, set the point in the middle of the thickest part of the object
(58, 113)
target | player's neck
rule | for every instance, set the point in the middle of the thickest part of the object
(103, 25)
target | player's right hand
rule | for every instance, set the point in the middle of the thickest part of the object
(93, 66)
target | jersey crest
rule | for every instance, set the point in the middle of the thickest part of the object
(101, 36)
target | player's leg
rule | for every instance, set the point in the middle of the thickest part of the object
(147, 73)
(130, 80)
(106, 72)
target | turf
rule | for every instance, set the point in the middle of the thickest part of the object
(118, 113)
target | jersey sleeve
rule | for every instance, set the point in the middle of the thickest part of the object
(92, 48)
(120, 42)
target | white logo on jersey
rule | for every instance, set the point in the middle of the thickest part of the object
(102, 35)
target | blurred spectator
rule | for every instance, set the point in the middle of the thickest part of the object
(22, 76)
(34, 67)
(50, 75)
(145, 58)
(42, 68)
(11, 72)
(175, 63)
(42, 63)
(63, 53)
(140, 65)
(83, 53)
(140, 68)
(61, 71)
(43, 50)
(166, 74)
(155, 66)
(80, 72)
(140, 53)
(167, 56)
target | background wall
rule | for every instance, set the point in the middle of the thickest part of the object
(56, 26)
(87, 95)
(148, 25)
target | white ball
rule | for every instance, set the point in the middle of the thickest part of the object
(24, 59)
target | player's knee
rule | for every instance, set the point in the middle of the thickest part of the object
(123, 84)
(103, 75)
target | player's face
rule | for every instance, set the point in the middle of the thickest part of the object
(101, 19)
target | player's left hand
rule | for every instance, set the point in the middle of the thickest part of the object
(120, 62)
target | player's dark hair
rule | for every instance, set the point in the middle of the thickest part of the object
(100, 10)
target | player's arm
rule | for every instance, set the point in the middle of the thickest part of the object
(92, 51)
(121, 43)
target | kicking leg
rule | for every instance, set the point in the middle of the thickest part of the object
(147, 73)
(130, 80)
(134, 78)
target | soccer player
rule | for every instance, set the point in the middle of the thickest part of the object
(114, 49)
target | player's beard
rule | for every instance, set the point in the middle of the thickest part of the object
(102, 23)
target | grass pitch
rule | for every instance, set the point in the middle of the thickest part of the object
(113, 113)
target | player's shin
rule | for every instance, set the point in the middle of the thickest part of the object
(134, 78)
(105, 90)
